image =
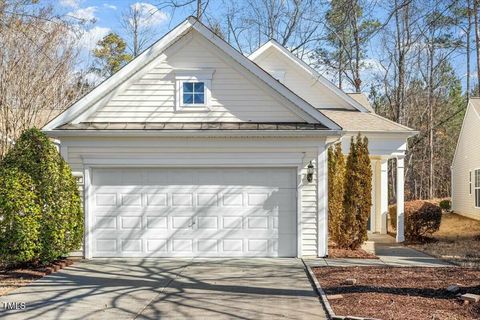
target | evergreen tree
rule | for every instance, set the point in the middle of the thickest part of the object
(110, 55)
(336, 175)
(358, 193)
(365, 180)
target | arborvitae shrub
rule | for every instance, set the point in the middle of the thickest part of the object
(357, 199)
(336, 185)
(61, 219)
(19, 218)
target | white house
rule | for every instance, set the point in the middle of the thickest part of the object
(466, 164)
(193, 149)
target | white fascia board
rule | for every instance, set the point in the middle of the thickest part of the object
(112, 82)
(300, 63)
(193, 133)
(264, 75)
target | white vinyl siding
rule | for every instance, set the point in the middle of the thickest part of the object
(236, 95)
(204, 152)
(299, 81)
(466, 161)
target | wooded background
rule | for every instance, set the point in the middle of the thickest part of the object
(417, 60)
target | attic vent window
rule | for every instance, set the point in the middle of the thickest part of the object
(193, 89)
(193, 93)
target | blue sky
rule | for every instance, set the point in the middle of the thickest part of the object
(101, 17)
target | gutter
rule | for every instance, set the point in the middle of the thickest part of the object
(193, 133)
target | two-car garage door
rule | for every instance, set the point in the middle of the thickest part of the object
(185, 212)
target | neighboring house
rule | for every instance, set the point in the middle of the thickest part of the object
(193, 149)
(466, 164)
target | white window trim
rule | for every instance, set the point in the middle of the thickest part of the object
(181, 76)
(475, 188)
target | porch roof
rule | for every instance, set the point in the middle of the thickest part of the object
(351, 120)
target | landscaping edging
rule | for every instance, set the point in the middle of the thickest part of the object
(323, 297)
(320, 292)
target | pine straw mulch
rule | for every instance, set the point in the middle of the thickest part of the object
(335, 252)
(13, 278)
(400, 292)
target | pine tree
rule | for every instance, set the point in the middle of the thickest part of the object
(336, 175)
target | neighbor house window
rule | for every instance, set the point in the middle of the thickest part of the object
(477, 188)
(193, 89)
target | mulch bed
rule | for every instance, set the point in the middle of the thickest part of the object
(400, 292)
(11, 279)
(335, 252)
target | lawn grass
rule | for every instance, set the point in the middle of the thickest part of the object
(458, 241)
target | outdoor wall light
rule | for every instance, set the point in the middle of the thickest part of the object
(310, 171)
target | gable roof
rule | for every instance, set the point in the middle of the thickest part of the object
(306, 68)
(85, 104)
(363, 100)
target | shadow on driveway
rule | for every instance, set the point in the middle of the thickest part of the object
(170, 288)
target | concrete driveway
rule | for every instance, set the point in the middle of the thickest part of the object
(170, 289)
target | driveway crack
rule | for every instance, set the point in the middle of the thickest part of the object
(139, 313)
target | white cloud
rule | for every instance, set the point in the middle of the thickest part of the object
(110, 6)
(85, 14)
(89, 38)
(70, 3)
(151, 15)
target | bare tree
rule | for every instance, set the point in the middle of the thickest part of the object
(477, 39)
(36, 69)
(137, 24)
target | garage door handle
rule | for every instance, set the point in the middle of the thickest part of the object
(193, 223)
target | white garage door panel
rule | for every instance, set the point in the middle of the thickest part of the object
(194, 212)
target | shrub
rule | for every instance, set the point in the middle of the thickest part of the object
(445, 205)
(19, 217)
(358, 193)
(61, 220)
(422, 219)
(336, 185)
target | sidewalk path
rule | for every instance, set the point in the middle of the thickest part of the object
(389, 253)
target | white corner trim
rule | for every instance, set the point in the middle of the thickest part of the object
(300, 63)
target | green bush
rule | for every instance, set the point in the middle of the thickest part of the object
(19, 218)
(422, 219)
(445, 205)
(61, 220)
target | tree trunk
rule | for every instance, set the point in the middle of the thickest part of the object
(199, 9)
(477, 40)
(467, 34)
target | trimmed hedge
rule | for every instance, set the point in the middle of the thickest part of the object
(422, 219)
(20, 213)
(61, 218)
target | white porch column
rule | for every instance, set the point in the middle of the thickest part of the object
(383, 195)
(400, 199)
(322, 196)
